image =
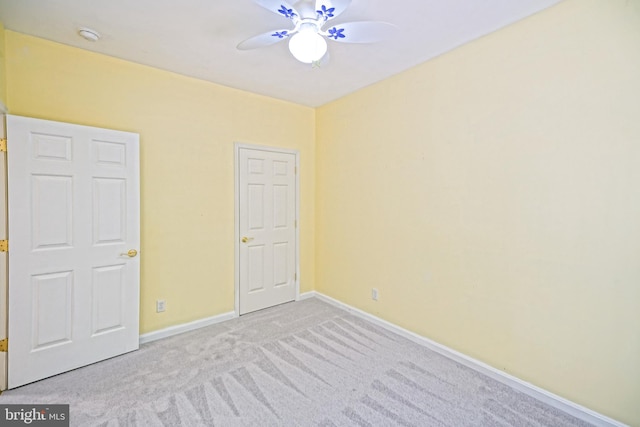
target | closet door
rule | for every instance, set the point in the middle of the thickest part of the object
(267, 228)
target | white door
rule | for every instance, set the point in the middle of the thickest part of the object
(73, 218)
(267, 228)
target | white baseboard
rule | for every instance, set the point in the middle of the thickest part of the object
(307, 295)
(536, 392)
(185, 327)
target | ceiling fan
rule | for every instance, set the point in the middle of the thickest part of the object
(311, 28)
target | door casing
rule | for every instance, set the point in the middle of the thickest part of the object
(4, 294)
(238, 146)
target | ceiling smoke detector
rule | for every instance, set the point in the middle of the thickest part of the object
(89, 34)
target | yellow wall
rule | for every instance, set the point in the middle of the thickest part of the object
(188, 129)
(3, 74)
(492, 196)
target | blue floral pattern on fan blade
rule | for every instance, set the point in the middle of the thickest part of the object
(288, 13)
(281, 34)
(325, 12)
(336, 33)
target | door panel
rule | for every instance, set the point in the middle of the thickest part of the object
(108, 298)
(267, 227)
(52, 308)
(109, 210)
(51, 212)
(255, 206)
(73, 215)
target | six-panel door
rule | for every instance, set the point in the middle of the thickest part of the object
(267, 212)
(73, 215)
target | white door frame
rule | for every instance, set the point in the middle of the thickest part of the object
(296, 153)
(4, 292)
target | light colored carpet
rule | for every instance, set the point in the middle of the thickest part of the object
(299, 364)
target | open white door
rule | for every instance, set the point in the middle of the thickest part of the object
(267, 211)
(74, 231)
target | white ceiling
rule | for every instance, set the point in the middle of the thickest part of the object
(198, 38)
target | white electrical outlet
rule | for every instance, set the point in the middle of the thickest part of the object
(374, 294)
(161, 306)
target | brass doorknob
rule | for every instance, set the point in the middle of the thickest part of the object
(247, 239)
(131, 253)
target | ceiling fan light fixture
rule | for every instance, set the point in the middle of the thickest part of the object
(307, 46)
(308, 38)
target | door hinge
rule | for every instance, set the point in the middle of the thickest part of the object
(4, 246)
(4, 345)
(295, 277)
(3, 145)
(295, 223)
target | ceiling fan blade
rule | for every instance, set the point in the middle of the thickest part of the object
(280, 7)
(360, 32)
(329, 9)
(265, 39)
